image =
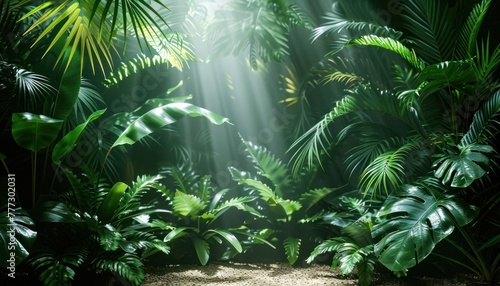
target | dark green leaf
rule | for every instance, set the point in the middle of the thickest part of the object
(34, 132)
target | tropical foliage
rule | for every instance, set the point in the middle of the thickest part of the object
(424, 137)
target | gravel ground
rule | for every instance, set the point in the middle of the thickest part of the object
(280, 274)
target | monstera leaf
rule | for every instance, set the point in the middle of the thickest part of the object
(17, 235)
(462, 169)
(413, 223)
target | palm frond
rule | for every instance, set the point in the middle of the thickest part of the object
(260, 26)
(345, 16)
(133, 66)
(484, 123)
(432, 29)
(386, 172)
(467, 38)
(32, 88)
(310, 145)
(93, 25)
(388, 44)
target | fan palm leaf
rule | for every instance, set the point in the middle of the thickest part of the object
(93, 25)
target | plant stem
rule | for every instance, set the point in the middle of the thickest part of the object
(33, 178)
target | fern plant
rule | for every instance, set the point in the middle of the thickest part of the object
(288, 213)
(425, 113)
(198, 214)
(94, 227)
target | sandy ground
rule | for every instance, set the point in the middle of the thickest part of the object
(280, 274)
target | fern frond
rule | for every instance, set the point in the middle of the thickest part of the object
(127, 265)
(268, 166)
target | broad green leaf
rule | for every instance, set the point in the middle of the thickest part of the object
(176, 233)
(462, 169)
(187, 205)
(412, 224)
(34, 132)
(56, 212)
(157, 118)
(285, 208)
(17, 236)
(69, 141)
(227, 236)
(202, 249)
(292, 249)
(69, 86)
(111, 202)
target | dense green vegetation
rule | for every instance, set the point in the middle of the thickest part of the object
(388, 112)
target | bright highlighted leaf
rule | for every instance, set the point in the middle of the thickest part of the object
(157, 118)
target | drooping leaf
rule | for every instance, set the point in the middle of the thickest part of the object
(34, 132)
(412, 224)
(228, 236)
(56, 212)
(460, 170)
(157, 118)
(202, 249)
(69, 141)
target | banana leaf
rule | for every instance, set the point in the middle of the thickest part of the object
(157, 118)
(34, 132)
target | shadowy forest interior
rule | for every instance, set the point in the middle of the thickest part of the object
(358, 134)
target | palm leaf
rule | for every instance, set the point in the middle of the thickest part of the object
(315, 140)
(88, 26)
(431, 25)
(386, 172)
(413, 223)
(484, 122)
(342, 18)
(388, 44)
(467, 38)
(445, 75)
(133, 66)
